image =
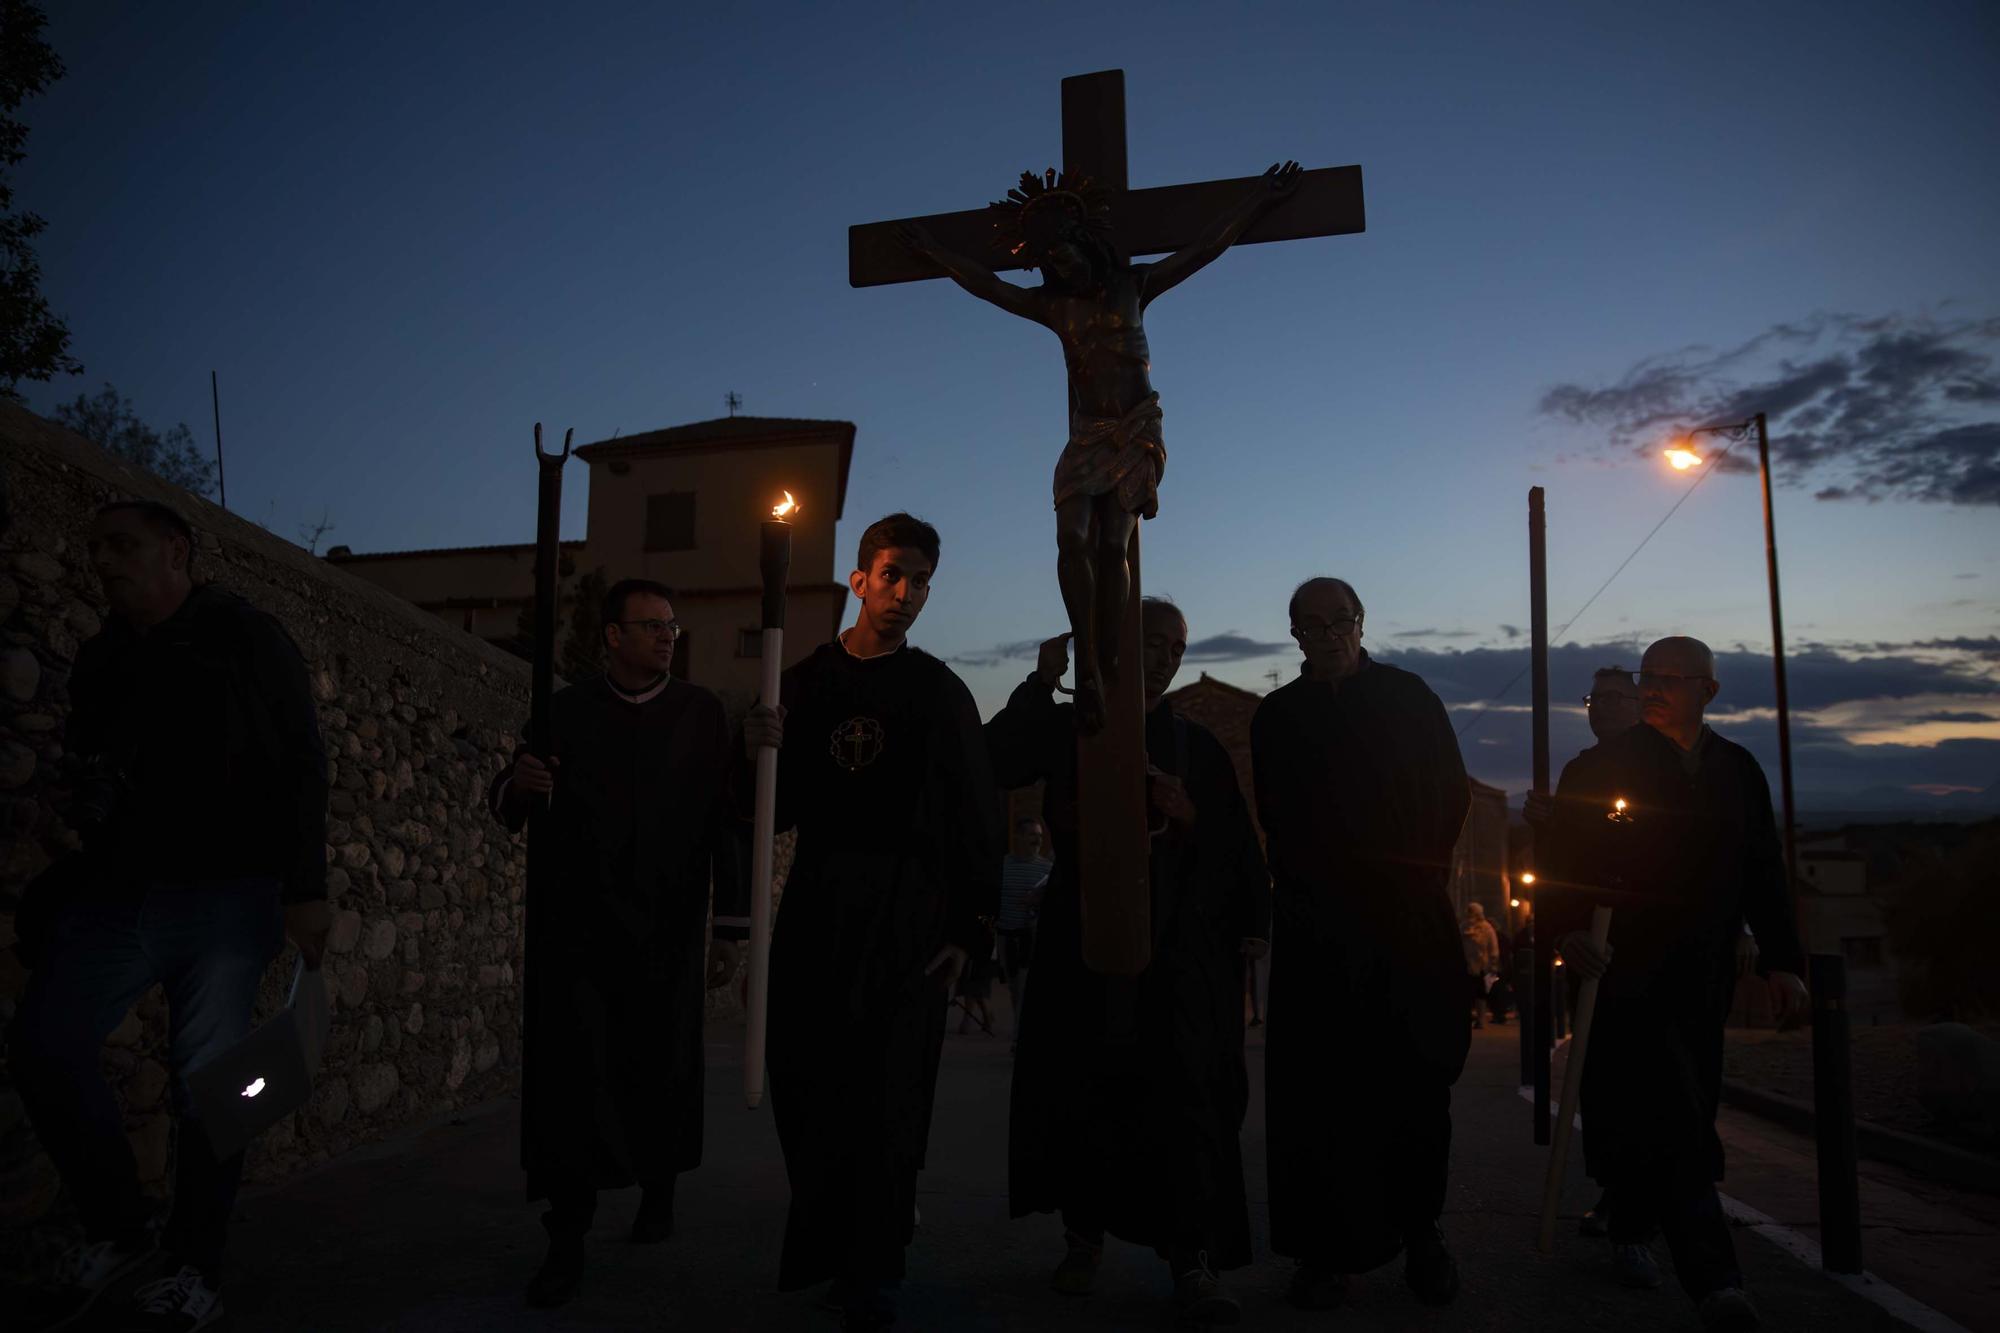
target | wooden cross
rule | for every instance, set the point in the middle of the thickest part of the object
(1112, 814)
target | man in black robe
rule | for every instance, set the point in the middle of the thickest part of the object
(622, 821)
(1129, 1093)
(895, 879)
(1362, 793)
(1692, 853)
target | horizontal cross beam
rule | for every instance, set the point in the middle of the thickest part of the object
(1328, 202)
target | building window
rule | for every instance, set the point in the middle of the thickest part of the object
(750, 643)
(1862, 950)
(670, 521)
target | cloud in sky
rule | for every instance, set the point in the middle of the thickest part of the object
(1889, 408)
(1232, 647)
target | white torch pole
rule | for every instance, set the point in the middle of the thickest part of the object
(775, 560)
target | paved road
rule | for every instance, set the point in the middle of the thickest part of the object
(428, 1234)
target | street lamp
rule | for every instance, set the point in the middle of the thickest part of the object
(1682, 455)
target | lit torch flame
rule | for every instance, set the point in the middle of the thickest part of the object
(1683, 459)
(1618, 815)
(786, 510)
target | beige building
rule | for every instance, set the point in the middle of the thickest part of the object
(681, 505)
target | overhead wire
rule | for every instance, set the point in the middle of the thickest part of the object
(1504, 690)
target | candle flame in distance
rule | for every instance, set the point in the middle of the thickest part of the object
(786, 510)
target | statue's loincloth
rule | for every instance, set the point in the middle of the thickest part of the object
(1115, 455)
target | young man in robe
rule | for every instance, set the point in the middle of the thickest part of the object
(1693, 853)
(1129, 1093)
(629, 805)
(1362, 794)
(882, 770)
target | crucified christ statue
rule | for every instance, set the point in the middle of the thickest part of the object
(1108, 476)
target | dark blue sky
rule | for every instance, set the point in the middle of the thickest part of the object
(403, 233)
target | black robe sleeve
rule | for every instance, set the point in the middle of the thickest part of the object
(1226, 848)
(1025, 740)
(967, 807)
(1767, 905)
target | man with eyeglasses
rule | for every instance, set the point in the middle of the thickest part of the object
(1129, 1092)
(611, 1053)
(1671, 825)
(1362, 794)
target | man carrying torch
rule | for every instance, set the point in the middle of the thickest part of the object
(1671, 826)
(882, 768)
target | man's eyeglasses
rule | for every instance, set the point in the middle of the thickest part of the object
(670, 628)
(1665, 678)
(1313, 629)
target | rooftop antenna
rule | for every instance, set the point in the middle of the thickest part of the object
(734, 399)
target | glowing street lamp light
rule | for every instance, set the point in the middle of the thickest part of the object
(1683, 459)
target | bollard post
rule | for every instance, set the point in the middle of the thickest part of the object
(1833, 1117)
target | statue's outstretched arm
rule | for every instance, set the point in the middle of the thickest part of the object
(972, 275)
(1275, 184)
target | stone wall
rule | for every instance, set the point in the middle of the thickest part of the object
(426, 888)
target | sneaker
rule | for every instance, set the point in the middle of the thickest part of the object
(560, 1275)
(1428, 1268)
(1317, 1287)
(84, 1274)
(1199, 1294)
(1635, 1266)
(654, 1221)
(178, 1303)
(1728, 1310)
(1597, 1222)
(867, 1305)
(1077, 1273)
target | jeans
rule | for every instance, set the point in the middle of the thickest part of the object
(208, 944)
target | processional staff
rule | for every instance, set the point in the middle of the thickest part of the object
(775, 563)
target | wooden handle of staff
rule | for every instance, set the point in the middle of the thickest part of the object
(1579, 1048)
(761, 856)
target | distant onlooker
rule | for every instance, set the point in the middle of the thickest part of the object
(201, 801)
(1482, 958)
(1024, 875)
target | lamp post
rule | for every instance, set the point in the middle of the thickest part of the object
(1682, 456)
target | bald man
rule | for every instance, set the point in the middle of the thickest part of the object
(1693, 852)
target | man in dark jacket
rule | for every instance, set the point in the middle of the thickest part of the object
(202, 808)
(1129, 1093)
(623, 822)
(1362, 794)
(1670, 825)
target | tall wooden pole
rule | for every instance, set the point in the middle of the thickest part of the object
(1579, 1049)
(1543, 1016)
(548, 554)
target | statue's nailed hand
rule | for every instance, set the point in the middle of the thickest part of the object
(917, 237)
(1282, 179)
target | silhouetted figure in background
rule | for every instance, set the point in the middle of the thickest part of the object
(1024, 874)
(1361, 793)
(1694, 852)
(202, 806)
(611, 1054)
(894, 883)
(1129, 1093)
(1611, 707)
(1482, 957)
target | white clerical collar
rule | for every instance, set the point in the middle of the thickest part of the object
(643, 696)
(867, 657)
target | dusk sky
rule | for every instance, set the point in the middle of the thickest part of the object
(403, 233)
